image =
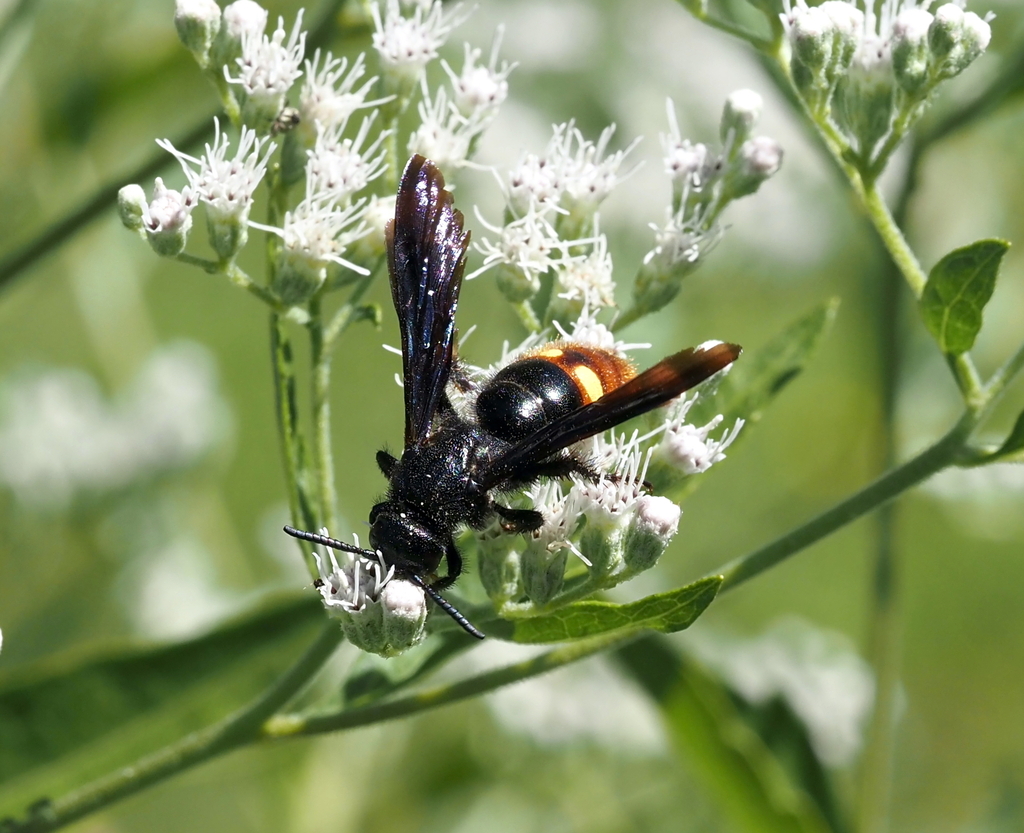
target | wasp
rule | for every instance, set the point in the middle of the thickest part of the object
(456, 470)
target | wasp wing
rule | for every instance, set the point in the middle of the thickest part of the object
(426, 258)
(655, 386)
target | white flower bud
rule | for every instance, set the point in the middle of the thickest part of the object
(655, 523)
(241, 19)
(977, 35)
(865, 98)
(740, 114)
(910, 49)
(811, 34)
(131, 206)
(758, 159)
(405, 613)
(848, 27)
(197, 22)
(244, 18)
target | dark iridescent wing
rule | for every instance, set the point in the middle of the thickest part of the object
(426, 259)
(655, 386)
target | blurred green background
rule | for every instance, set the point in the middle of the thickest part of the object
(101, 341)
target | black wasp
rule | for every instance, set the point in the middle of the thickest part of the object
(454, 470)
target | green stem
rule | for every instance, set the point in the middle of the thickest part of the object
(730, 28)
(235, 731)
(885, 488)
(293, 725)
(322, 453)
(906, 261)
(287, 422)
(527, 316)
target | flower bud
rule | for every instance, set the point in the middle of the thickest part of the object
(910, 49)
(847, 28)
(228, 232)
(946, 31)
(131, 206)
(298, 276)
(197, 22)
(740, 114)
(758, 159)
(516, 284)
(243, 18)
(655, 523)
(543, 572)
(865, 98)
(601, 544)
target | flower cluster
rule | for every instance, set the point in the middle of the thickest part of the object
(378, 612)
(325, 146)
(704, 182)
(871, 73)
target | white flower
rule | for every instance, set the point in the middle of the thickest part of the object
(169, 210)
(444, 135)
(59, 437)
(342, 167)
(586, 278)
(267, 69)
(353, 584)
(528, 244)
(318, 230)
(691, 167)
(226, 185)
(407, 44)
(378, 611)
(480, 90)
(589, 330)
(329, 94)
(610, 501)
(690, 448)
(683, 239)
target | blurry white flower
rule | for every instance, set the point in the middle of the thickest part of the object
(581, 704)
(59, 438)
(244, 19)
(444, 135)
(829, 688)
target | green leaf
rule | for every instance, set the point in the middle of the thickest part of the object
(958, 288)
(72, 719)
(759, 376)
(753, 789)
(666, 612)
(1013, 443)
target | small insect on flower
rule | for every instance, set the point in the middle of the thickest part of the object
(455, 470)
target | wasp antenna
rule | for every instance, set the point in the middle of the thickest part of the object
(447, 607)
(333, 543)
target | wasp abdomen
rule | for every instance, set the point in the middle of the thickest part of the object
(548, 383)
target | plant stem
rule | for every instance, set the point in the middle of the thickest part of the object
(885, 488)
(237, 730)
(323, 457)
(287, 422)
(293, 725)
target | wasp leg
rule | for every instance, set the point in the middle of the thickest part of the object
(519, 520)
(557, 468)
(453, 558)
(386, 462)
